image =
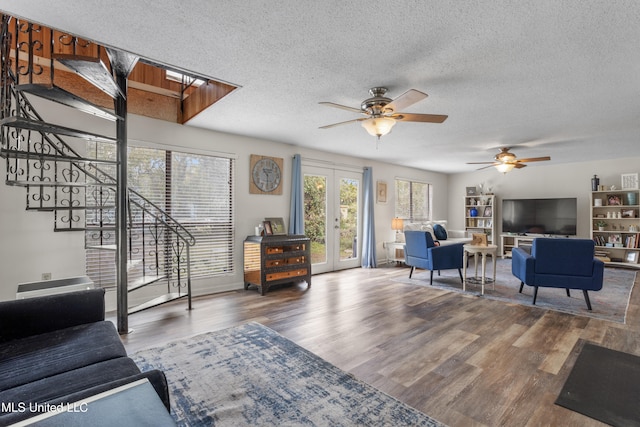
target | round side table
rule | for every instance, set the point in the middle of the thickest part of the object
(482, 251)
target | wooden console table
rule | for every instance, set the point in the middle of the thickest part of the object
(274, 260)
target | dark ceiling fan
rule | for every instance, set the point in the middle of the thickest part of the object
(505, 161)
(381, 113)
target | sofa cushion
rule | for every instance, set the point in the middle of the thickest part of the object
(39, 356)
(53, 388)
(440, 232)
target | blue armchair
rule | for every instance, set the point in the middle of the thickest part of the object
(421, 252)
(559, 263)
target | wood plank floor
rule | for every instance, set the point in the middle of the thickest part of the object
(465, 360)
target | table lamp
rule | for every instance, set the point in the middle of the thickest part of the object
(397, 224)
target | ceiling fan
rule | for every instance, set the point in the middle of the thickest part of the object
(506, 161)
(381, 113)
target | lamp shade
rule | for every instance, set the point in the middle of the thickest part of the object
(505, 167)
(397, 224)
(378, 126)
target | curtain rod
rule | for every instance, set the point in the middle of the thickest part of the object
(330, 163)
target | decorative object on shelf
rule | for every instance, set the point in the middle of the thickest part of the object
(629, 213)
(268, 231)
(597, 202)
(473, 212)
(479, 239)
(487, 211)
(629, 181)
(595, 181)
(632, 198)
(601, 225)
(613, 200)
(471, 191)
(265, 175)
(632, 257)
(277, 225)
(397, 224)
(381, 192)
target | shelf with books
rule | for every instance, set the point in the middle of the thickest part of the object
(480, 215)
(615, 226)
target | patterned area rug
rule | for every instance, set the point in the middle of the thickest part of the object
(251, 376)
(610, 303)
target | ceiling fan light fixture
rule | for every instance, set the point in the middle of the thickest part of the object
(505, 167)
(378, 126)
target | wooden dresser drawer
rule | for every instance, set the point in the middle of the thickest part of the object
(274, 250)
(274, 262)
(296, 260)
(286, 274)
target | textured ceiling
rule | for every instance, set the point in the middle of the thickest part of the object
(545, 77)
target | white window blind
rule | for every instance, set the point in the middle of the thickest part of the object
(195, 190)
(413, 200)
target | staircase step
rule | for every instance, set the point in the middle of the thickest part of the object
(38, 126)
(61, 96)
(94, 70)
(143, 281)
(102, 247)
(157, 301)
(121, 61)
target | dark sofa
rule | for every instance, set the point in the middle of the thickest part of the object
(59, 349)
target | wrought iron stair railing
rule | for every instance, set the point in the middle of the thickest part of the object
(81, 189)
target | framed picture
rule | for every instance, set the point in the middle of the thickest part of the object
(268, 231)
(629, 213)
(632, 257)
(471, 191)
(613, 200)
(487, 211)
(629, 181)
(277, 225)
(381, 192)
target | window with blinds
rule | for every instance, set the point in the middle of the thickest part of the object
(413, 200)
(196, 191)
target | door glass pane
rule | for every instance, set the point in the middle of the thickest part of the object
(315, 214)
(348, 218)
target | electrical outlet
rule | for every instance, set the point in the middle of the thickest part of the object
(46, 276)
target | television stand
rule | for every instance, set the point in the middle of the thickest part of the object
(510, 241)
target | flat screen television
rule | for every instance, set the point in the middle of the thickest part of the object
(540, 216)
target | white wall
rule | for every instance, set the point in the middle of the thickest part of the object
(30, 247)
(542, 180)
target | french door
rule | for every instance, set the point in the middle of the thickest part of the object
(332, 200)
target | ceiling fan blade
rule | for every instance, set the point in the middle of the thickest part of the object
(342, 123)
(408, 98)
(425, 118)
(535, 159)
(482, 163)
(488, 166)
(520, 165)
(344, 107)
